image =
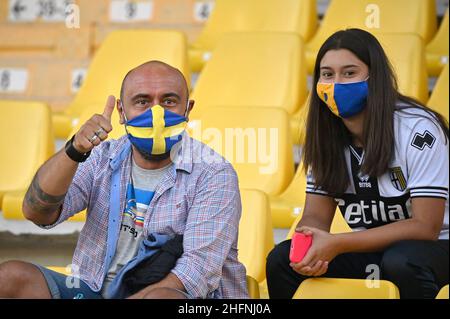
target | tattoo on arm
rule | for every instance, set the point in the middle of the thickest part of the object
(40, 201)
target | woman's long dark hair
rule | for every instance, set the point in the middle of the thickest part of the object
(326, 134)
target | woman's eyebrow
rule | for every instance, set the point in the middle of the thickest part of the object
(343, 67)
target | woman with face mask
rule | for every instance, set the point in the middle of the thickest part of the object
(382, 158)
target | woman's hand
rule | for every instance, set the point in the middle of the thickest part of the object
(322, 251)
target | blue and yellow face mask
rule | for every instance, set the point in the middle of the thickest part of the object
(156, 130)
(344, 99)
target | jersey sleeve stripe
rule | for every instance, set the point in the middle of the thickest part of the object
(429, 196)
(430, 187)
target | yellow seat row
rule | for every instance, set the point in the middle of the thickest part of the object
(237, 16)
(229, 16)
(300, 16)
(152, 12)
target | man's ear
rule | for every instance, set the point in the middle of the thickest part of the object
(121, 111)
(190, 107)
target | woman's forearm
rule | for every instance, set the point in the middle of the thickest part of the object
(377, 239)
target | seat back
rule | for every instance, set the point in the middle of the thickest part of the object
(437, 49)
(336, 288)
(256, 141)
(439, 97)
(297, 16)
(406, 53)
(443, 293)
(254, 69)
(26, 142)
(416, 16)
(122, 51)
(440, 43)
(255, 233)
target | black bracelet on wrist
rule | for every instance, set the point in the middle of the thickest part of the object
(74, 154)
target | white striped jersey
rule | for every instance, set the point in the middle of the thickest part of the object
(420, 168)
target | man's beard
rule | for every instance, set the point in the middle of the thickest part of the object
(152, 157)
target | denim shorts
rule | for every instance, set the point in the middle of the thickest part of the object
(67, 287)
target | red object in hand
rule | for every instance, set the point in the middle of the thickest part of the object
(300, 244)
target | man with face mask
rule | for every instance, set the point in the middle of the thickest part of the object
(150, 182)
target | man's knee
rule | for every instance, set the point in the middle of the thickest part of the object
(11, 271)
(17, 277)
(165, 293)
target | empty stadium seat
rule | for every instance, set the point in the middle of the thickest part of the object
(292, 16)
(287, 206)
(120, 52)
(256, 141)
(12, 207)
(443, 293)
(26, 142)
(298, 124)
(337, 288)
(406, 53)
(253, 69)
(439, 97)
(437, 49)
(255, 239)
(381, 16)
(253, 288)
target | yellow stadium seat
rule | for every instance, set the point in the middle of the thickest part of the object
(439, 97)
(62, 270)
(381, 16)
(337, 288)
(26, 142)
(228, 16)
(437, 49)
(253, 69)
(406, 52)
(120, 52)
(257, 141)
(287, 206)
(443, 293)
(255, 233)
(253, 288)
(12, 207)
